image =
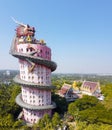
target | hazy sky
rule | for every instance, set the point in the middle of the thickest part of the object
(79, 32)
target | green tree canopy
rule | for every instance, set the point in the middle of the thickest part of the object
(82, 104)
(56, 119)
(61, 103)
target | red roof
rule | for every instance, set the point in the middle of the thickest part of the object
(62, 92)
(90, 85)
(64, 89)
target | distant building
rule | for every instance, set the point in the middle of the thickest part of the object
(90, 88)
(65, 89)
(72, 92)
(67, 92)
(8, 73)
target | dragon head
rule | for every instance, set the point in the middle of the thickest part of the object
(25, 30)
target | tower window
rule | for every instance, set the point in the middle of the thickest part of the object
(32, 77)
(21, 49)
(27, 49)
(41, 51)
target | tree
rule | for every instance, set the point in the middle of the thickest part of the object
(82, 104)
(43, 122)
(6, 121)
(56, 120)
(18, 124)
(46, 119)
(72, 109)
(107, 91)
(89, 109)
(96, 114)
(85, 126)
(14, 90)
(61, 103)
(8, 108)
(86, 102)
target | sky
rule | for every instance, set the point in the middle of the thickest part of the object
(79, 32)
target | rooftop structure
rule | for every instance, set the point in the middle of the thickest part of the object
(35, 73)
(64, 89)
(67, 92)
(72, 92)
(90, 88)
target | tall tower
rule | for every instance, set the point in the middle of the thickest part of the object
(35, 74)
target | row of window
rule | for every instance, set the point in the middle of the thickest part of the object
(33, 100)
(32, 77)
(39, 103)
(33, 96)
(47, 53)
(33, 91)
(46, 57)
(35, 114)
(37, 73)
(38, 69)
(34, 117)
(38, 81)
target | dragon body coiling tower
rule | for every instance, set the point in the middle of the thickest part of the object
(35, 74)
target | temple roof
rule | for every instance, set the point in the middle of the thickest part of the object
(91, 86)
(64, 89)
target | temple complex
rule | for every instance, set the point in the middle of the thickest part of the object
(35, 74)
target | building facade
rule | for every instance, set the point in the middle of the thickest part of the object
(35, 74)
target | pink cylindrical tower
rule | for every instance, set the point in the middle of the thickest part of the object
(35, 74)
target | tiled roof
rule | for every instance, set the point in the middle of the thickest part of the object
(92, 85)
(89, 85)
(62, 91)
(64, 88)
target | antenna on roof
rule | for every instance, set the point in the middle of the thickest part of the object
(17, 22)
